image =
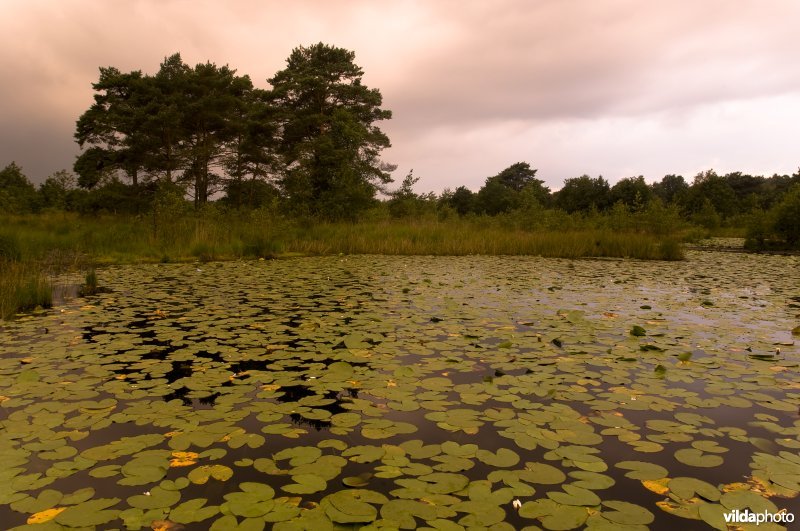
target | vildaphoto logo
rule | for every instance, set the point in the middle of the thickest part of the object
(747, 517)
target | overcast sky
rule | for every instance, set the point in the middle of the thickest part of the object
(614, 87)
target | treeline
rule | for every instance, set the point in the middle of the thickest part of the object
(768, 207)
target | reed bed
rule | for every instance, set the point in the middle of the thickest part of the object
(23, 287)
(33, 247)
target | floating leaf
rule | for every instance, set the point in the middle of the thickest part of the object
(45, 516)
(306, 484)
(349, 507)
(200, 475)
(642, 471)
(627, 513)
(695, 457)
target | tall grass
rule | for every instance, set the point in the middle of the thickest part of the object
(216, 235)
(23, 286)
(32, 247)
(463, 239)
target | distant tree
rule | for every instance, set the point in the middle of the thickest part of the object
(17, 194)
(774, 188)
(671, 189)
(786, 215)
(504, 192)
(582, 194)
(163, 131)
(706, 215)
(462, 200)
(403, 202)
(517, 176)
(633, 192)
(494, 197)
(57, 191)
(710, 187)
(745, 187)
(113, 196)
(328, 142)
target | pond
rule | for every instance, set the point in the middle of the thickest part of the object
(371, 392)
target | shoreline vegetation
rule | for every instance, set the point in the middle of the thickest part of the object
(34, 248)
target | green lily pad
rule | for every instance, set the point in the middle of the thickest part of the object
(686, 488)
(351, 506)
(642, 471)
(306, 484)
(201, 474)
(695, 457)
(627, 513)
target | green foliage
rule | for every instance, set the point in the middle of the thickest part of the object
(462, 200)
(512, 188)
(632, 192)
(404, 202)
(671, 189)
(583, 194)
(329, 145)
(709, 189)
(251, 194)
(706, 215)
(517, 177)
(787, 217)
(177, 125)
(58, 191)
(778, 228)
(495, 197)
(17, 194)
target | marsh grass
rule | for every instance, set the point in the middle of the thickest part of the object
(90, 286)
(23, 287)
(31, 247)
(215, 236)
(463, 239)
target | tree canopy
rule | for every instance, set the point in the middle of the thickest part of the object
(328, 142)
(207, 128)
(182, 124)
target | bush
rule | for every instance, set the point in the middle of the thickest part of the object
(778, 228)
(787, 218)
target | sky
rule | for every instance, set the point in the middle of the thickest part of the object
(617, 88)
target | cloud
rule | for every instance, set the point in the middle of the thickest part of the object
(573, 87)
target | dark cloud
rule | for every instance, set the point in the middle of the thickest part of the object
(573, 87)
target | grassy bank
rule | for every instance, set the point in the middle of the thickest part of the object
(61, 238)
(33, 247)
